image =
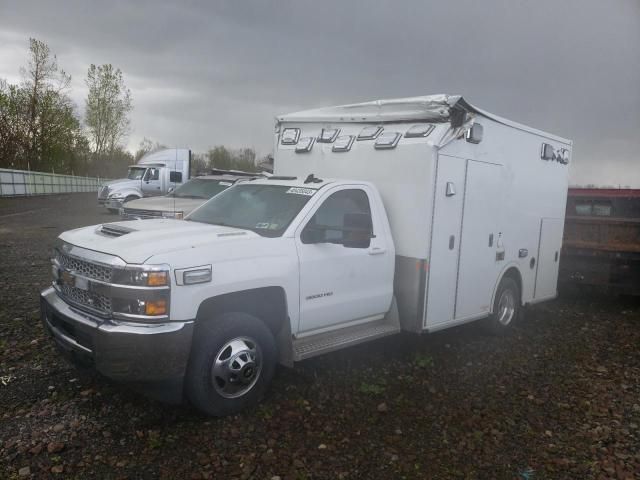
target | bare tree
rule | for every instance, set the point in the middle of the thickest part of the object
(108, 106)
(147, 146)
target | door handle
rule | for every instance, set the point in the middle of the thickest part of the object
(377, 250)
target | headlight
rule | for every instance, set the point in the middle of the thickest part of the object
(116, 195)
(141, 278)
(176, 215)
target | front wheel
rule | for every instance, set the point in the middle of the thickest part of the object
(506, 307)
(232, 363)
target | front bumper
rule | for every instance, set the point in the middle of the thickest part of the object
(113, 203)
(151, 356)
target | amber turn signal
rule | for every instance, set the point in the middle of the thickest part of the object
(156, 307)
(157, 279)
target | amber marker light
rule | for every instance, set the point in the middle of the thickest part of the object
(157, 279)
(155, 307)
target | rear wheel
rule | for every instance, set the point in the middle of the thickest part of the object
(506, 307)
(232, 363)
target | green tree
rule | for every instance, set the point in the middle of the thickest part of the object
(38, 126)
(46, 85)
(108, 106)
(225, 159)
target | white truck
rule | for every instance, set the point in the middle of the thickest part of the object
(413, 214)
(156, 173)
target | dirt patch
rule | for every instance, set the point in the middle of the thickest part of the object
(558, 398)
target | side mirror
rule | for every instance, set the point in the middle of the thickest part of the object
(474, 134)
(357, 230)
(171, 189)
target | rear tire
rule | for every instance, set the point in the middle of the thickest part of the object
(506, 307)
(232, 363)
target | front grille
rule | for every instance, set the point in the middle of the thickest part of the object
(104, 192)
(85, 298)
(139, 213)
(84, 268)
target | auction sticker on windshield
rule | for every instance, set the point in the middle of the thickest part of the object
(302, 191)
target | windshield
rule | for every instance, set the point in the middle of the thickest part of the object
(135, 173)
(201, 188)
(265, 209)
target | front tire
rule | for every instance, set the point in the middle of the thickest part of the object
(506, 307)
(232, 363)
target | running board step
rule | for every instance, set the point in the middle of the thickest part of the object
(313, 345)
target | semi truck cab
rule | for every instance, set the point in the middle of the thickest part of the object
(156, 173)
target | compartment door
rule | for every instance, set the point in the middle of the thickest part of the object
(479, 265)
(445, 240)
(548, 258)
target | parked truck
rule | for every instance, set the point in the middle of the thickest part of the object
(184, 199)
(156, 173)
(411, 214)
(601, 247)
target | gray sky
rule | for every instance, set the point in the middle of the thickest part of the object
(207, 73)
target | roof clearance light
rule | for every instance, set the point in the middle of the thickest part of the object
(328, 135)
(421, 130)
(343, 143)
(370, 133)
(290, 136)
(305, 144)
(387, 140)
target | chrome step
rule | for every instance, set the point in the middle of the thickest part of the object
(313, 345)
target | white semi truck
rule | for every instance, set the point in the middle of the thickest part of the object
(157, 173)
(412, 214)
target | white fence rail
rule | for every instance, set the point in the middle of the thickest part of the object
(17, 183)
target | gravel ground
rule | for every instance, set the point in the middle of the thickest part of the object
(557, 398)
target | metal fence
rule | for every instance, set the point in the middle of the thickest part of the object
(15, 183)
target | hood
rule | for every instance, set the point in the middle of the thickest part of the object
(122, 183)
(138, 240)
(166, 204)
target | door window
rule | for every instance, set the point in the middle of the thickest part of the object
(343, 218)
(152, 174)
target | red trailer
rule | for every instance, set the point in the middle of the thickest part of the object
(601, 245)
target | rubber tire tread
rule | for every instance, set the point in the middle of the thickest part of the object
(209, 337)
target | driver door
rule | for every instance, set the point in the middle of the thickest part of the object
(151, 185)
(346, 270)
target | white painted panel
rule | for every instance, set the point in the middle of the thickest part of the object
(548, 258)
(340, 284)
(479, 269)
(443, 260)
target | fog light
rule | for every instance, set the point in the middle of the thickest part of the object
(155, 307)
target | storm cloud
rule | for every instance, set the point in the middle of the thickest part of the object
(208, 73)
